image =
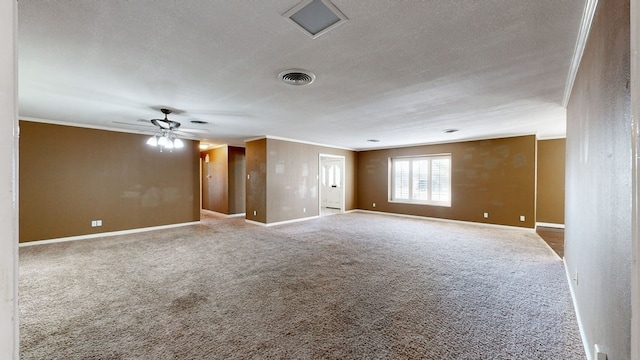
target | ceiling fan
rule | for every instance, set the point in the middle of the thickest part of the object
(201, 127)
(165, 138)
(166, 124)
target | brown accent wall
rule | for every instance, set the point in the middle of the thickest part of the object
(215, 179)
(598, 216)
(292, 179)
(496, 176)
(70, 176)
(290, 171)
(256, 188)
(223, 187)
(237, 176)
(550, 187)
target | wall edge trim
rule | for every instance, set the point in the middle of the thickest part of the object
(105, 234)
(222, 214)
(94, 127)
(583, 35)
(454, 141)
(551, 225)
(583, 336)
(448, 220)
(298, 141)
(252, 222)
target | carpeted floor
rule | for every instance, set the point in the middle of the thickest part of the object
(357, 285)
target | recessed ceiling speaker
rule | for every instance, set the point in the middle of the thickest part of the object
(297, 77)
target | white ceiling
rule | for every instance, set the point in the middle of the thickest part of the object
(397, 71)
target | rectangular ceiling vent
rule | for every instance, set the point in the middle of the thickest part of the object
(315, 17)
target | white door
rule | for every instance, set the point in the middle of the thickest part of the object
(331, 182)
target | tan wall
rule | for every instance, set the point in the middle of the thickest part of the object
(598, 217)
(223, 184)
(70, 176)
(256, 188)
(290, 172)
(292, 179)
(550, 188)
(495, 176)
(237, 176)
(215, 179)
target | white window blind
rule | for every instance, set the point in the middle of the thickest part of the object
(421, 180)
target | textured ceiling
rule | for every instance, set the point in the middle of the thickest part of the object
(397, 71)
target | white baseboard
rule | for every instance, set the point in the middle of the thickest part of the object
(105, 234)
(575, 308)
(281, 222)
(222, 214)
(551, 225)
(448, 220)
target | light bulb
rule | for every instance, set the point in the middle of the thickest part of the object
(153, 141)
(163, 141)
(178, 143)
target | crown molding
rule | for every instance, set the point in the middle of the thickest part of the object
(583, 35)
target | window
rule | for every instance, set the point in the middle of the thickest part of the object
(421, 180)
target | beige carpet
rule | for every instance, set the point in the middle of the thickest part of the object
(357, 285)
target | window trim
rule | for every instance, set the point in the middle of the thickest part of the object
(409, 201)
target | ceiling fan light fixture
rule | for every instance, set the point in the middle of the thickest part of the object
(165, 137)
(163, 141)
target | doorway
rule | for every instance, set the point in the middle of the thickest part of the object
(331, 178)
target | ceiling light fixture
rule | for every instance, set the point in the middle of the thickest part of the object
(165, 138)
(315, 17)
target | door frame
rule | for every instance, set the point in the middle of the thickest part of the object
(635, 175)
(342, 159)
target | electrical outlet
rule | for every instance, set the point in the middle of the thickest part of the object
(575, 278)
(374, 204)
(304, 210)
(248, 177)
(521, 217)
(255, 213)
(486, 215)
(98, 222)
(94, 223)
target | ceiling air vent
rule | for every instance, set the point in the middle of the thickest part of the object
(297, 77)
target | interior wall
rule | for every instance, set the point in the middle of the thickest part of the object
(237, 175)
(496, 176)
(256, 186)
(292, 179)
(598, 191)
(9, 336)
(550, 184)
(635, 141)
(290, 172)
(70, 176)
(215, 180)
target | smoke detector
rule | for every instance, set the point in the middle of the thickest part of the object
(297, 77)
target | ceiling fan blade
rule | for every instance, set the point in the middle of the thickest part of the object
(195, 131)
(139, 124)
